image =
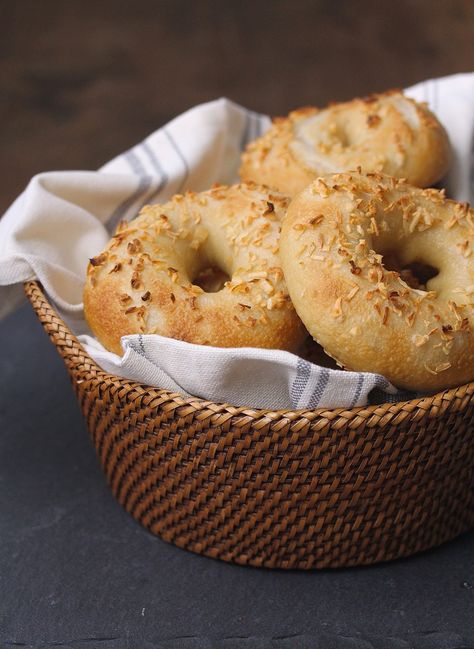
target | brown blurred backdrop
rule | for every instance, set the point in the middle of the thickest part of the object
(83, 80)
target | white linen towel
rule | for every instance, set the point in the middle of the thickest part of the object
(64, 218)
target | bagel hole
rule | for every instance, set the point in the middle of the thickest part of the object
(211, 279)
(416, 274)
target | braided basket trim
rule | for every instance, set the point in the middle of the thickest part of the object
(288, 489)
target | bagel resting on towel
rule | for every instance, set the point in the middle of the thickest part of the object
(226, 239)
(344, 244)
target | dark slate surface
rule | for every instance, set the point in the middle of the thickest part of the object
(76, 571)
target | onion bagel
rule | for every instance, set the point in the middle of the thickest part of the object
(345, 241)
(145, 280)
(387, 133)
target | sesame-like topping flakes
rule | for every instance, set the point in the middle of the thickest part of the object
(134, 247)
(135, 282)
(140, 264)
(464, 248)
(99, 260)
(277, 301)
(442, 367)
(316, 220)
(270, 208)
(355, 270)
(121, 226)
(337, 308)
(429, 369)
(163, 246)
(455, 309)
(420, 340)
(193, 289)
(352, 293)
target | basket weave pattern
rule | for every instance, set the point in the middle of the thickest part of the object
(287, 489)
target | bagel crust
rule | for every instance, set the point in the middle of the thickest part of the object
(339, 240)
(387, 133)
(143, 281)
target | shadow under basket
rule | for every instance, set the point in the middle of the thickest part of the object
(281, 489)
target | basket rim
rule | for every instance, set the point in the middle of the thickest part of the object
(49, 318)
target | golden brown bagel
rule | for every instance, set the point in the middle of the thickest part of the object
(143, 281)
(341, 239)
(387, 133)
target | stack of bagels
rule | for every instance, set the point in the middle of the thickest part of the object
(334, 230)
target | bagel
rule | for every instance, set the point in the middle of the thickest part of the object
(144, 282)
(387, 133)
(345, 241)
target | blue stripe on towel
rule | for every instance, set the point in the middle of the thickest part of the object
(323, 380)
(303, 372)
(144, 184)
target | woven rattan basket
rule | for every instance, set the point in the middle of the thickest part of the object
(287, 489)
